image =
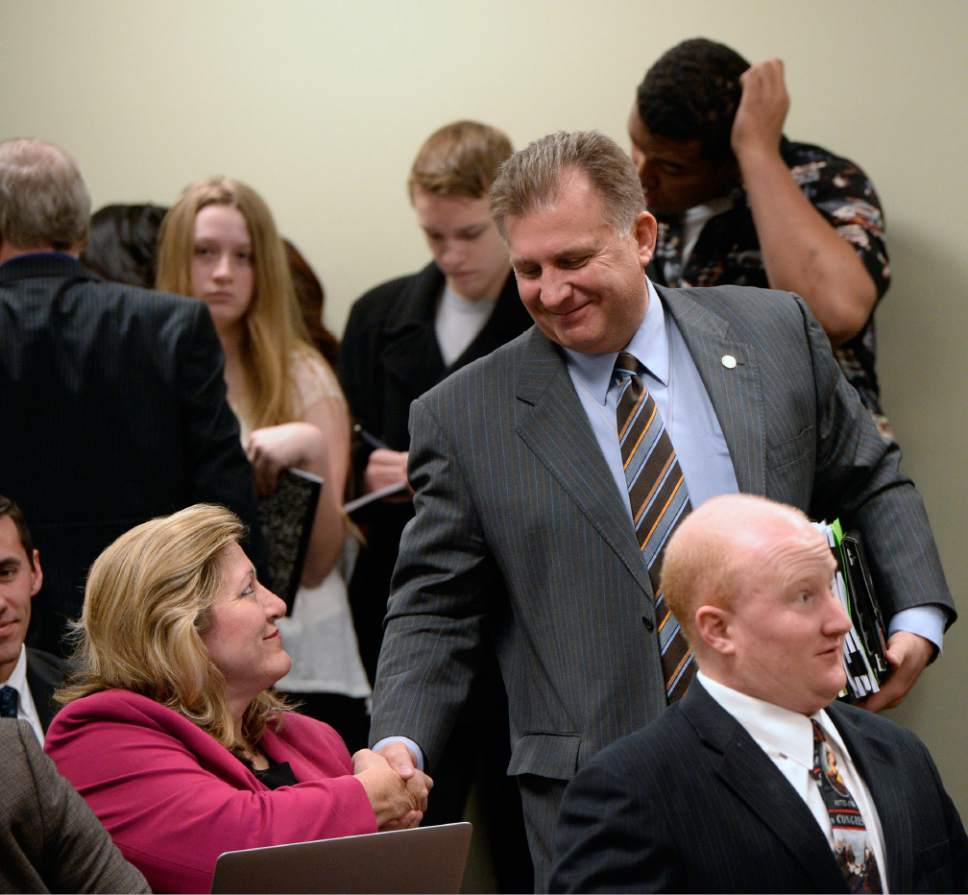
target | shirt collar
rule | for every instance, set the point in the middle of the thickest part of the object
(649, 346)
(775, 729)
(18, 677)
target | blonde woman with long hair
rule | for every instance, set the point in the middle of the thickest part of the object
(219, 244)
(170, 730)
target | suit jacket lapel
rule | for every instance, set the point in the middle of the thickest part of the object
(878, 766)
(41, 691)
(752, 777)
(552, 422)
(735, 392)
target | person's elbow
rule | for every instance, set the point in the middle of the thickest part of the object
(847, 310)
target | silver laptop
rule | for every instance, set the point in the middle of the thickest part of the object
(425, 859)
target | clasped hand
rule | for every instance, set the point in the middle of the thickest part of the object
(398, 795)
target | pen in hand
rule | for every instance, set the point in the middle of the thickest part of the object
(371, 440)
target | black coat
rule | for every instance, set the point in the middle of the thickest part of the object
(114, 411)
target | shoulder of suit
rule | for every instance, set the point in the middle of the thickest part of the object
(38, 660)
(15, 733)
(380, 301)
(122, 706)
(871, 724)
(135, 301)
(743, 306)
(662, 741)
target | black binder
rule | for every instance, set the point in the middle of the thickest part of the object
(286, 517)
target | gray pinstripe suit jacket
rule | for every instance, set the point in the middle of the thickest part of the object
(521, 543)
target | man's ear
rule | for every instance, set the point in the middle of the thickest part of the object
(712, 627)
(645, 229)
(36, 575)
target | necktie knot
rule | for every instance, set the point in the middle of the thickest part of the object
(626, 366)
(8, 702)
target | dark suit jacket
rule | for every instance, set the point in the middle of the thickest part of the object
(519, 525)
(45, 673)
(114, 412)
(690, 803)
(49, 839)
(390, 357)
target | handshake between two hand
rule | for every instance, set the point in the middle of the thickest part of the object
(397, 789)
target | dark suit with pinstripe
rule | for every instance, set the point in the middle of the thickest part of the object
(692, 804)
(519, 528)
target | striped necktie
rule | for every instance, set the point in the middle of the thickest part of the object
(852, 849)
(659, 500)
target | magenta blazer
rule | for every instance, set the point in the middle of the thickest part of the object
(173, 799)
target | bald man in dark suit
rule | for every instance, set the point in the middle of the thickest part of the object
(757, 781)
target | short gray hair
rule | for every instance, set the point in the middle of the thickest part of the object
(533, 176)
(43, 198)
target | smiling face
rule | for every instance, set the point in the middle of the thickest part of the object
(674, 174)
(223, 274)
(19, 581)
(464, 242)
(581, 281)
(787, 627)
(241, 636)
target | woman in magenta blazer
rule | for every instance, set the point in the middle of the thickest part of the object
(170, 731)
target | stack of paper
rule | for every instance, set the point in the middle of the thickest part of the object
(865, 644)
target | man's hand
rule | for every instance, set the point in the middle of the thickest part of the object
(384, 468)
(802, 252)
(397, 803)
(762, 110)
(399, 758)
(907, 655)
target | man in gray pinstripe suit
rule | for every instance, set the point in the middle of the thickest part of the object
(523, 540)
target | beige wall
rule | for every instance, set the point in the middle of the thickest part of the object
(321, 105)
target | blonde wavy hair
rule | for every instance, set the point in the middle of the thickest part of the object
(147, 602)
(274, 332)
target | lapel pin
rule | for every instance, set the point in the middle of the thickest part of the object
(729, 362)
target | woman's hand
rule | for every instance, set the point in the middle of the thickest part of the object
(274, 448)
(397, 803)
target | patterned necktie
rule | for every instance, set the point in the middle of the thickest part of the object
(659, 500)
(851, 847)
(8, 702)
